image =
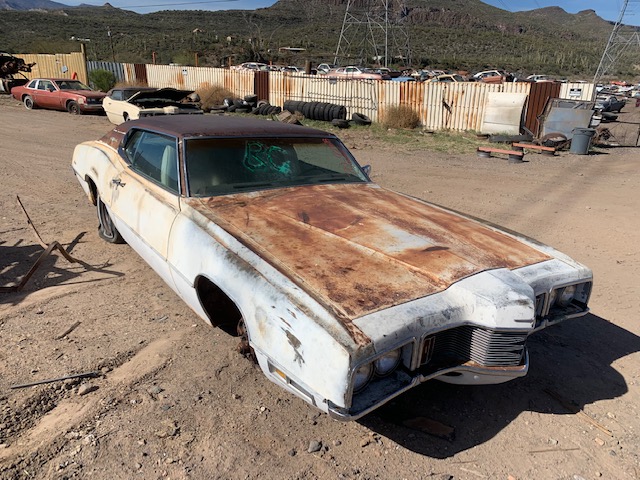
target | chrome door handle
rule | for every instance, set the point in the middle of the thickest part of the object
(117, 182)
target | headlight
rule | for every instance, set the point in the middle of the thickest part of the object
(387, 363)
(362, 376)
(565, 295)
(81, 100)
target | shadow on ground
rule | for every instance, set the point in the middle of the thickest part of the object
(571, 359)
(16, 261)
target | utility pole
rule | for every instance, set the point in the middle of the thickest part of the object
(374, 29)
(621, 38)
(113, 51)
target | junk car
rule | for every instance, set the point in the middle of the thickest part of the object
(347, 293)
(130, 103)
(59, 94)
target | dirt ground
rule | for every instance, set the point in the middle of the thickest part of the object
(174, 401)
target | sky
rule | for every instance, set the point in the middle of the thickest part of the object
(607, 9)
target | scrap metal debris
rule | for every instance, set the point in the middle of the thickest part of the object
(10, 66)
(59, 379)
(49, 248)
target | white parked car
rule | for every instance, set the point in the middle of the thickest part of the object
(539, 78)
(130, 103)
(348, 294)
(355, 73)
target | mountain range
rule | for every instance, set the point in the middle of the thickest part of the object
(447, 34)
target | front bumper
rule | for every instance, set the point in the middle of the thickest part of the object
(91, 108)
(467, 374)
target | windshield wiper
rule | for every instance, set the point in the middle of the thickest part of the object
(333, 177)
(252, 185)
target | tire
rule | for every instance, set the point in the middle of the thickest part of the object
(74, 108)
(125, 116)
(251, 99)
(340, 123)
(28, 103)
(360, 119)
(106, 229)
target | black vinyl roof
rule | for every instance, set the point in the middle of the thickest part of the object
(188, 126)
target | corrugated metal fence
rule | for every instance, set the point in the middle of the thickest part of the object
(454, 106)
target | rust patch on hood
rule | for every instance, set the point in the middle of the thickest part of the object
(360, 248)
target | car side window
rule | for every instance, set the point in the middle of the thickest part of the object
(117, 95)
(155, 156)
(45, 85)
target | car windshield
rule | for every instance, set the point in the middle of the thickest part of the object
(221, 166)
(72, 85)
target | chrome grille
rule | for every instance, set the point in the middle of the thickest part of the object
(489, 348)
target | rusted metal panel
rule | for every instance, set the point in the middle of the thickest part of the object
(539, 94)
(503, 113)
(239, 82)
(57, 65)
(363, 248)
(140, 72)
(261, 85)
(356, 95)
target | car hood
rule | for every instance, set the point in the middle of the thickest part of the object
(360, 248)
(169, 94)
(87, 93)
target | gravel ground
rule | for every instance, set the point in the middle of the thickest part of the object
(172, 399)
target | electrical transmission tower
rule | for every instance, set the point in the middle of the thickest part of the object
(374, 29)
(621, 38)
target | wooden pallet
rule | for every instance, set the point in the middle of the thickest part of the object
(530, 146)
(514, 156)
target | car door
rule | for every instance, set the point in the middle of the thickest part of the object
(110, 105)
(43, 96)
(145, 196)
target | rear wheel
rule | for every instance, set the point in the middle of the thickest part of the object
(106, 229)
(28, 102)
(74, 108)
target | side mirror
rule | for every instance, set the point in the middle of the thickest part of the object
(367, 170)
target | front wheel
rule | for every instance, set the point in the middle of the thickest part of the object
(74, 108)
(28, 102)
(106, 229)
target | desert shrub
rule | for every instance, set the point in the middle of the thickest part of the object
(211, 95)
(401, 116)
(102, 80)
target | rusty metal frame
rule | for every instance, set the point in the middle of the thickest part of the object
(49, 248)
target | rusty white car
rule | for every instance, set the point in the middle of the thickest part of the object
(131, 103)
(348, 294)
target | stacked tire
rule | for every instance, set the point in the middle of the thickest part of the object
(265, 108)
(326, 112)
